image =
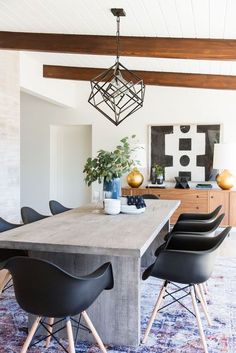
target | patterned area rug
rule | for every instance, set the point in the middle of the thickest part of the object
(174, 330)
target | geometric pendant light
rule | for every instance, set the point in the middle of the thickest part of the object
(117, 92)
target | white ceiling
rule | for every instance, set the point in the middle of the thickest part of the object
(162, 18)
(167, 18)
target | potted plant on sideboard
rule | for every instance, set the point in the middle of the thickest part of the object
(109, 166)
(157, 174)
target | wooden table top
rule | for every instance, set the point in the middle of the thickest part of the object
(88, 230)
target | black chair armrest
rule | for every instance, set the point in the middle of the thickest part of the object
(195, 242)
(198, 227)
(199, 216)
(103, 271)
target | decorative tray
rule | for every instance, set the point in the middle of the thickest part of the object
(132, 209)
(160, 186)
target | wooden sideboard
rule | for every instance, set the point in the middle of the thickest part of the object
(194, 200)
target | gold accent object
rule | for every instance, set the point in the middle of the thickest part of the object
(225, 180)
(135, 178)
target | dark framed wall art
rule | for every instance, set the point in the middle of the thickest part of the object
(184, 150)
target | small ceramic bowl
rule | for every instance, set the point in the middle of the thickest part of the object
(112, 206)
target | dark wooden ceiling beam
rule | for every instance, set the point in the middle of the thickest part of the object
(180, 48)
(150, 77)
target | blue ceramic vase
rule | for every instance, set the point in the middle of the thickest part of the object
(112, 188)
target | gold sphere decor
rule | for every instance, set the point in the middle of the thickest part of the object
(135, 178)
(225, 180)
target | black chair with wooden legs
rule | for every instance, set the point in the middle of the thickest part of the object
(6, 254)
(29, 215)
(194, 229)
(201, 217)
(188, 267)
(200, 222)
(56, 294)
(57, 208)
(207, 231)
(200, 228)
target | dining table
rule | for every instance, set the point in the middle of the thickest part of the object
(82, 239)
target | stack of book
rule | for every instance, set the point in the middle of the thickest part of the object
(204, 186)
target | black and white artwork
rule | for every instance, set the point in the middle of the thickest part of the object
(184, 150)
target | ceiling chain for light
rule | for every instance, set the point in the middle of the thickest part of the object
(117, 92)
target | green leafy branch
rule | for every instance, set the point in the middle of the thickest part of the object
(108, 165)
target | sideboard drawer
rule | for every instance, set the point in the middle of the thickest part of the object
(191, 200)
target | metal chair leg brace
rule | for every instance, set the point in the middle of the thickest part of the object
(45, 325)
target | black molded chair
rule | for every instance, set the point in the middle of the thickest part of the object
(56, 207)
(198, 228)
(54, 293)
(185, 266)
(189, 240)
(198, 232)
(150, 197)
(201, 217)
(29, 215)
(6, 254)
(4, 225)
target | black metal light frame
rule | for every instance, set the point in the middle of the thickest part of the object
(117, 90)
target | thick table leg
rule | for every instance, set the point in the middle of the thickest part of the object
(148, 257)
(116, 313)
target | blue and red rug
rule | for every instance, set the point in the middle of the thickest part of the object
(175, 330)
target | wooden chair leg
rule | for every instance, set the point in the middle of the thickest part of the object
(30, 335)
(204, 304)
(202, 292)
(50, 323)
(70, 336)
(195, 307)
(205, 288)
(5, 280)
(154, 313)
(94, 332)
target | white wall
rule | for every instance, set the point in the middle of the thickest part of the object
(37, 116)
(70, 145)
(163, 105)
(60, 92)
(9, 136)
